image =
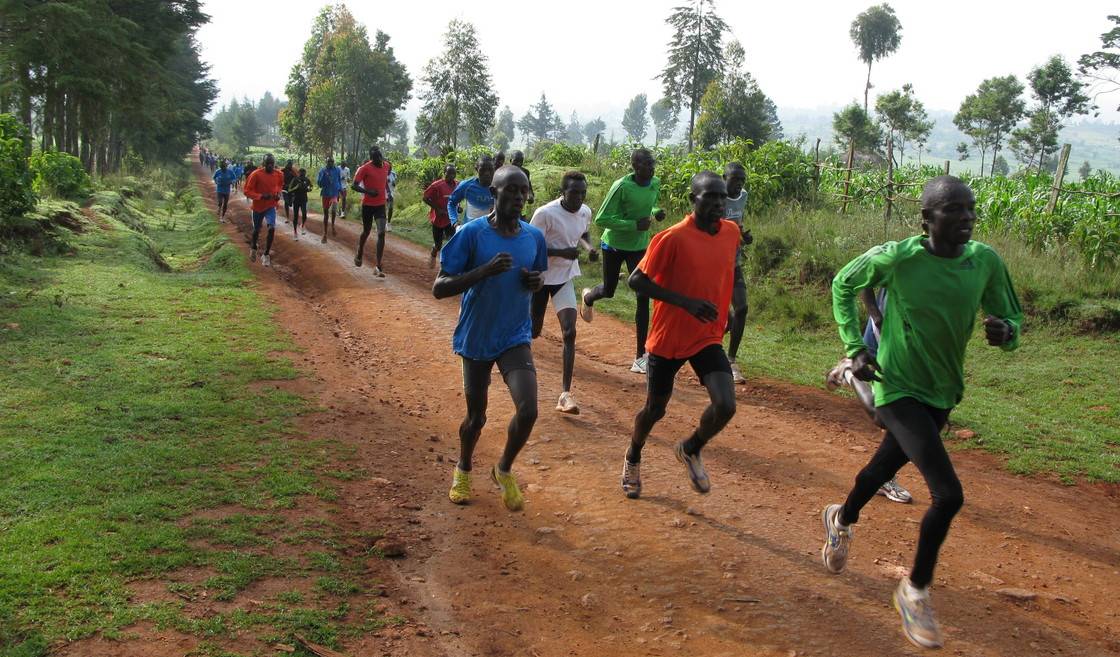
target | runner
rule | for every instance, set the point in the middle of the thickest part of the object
(223, 178)
(289, 172)
(496, 264)
(564, 222)
(343, 189)
(249, 169)
(435, 197)
(298, 189)
(736, 178)
(329, 181)
(936, 283)
(371, 180)
(391, 183)
(517, 159)
(475, 191)
(499, 160)
(263, 186)
(626, 215)
(238, 172)
(688, 271)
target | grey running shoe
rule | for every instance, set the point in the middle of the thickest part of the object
(585, 310)
(837, 539)
(697, 475)
(736, 375)
(567, 404)
(640, 364)
(631, 479)
(918, 621)
(893, 491)
(266, 260)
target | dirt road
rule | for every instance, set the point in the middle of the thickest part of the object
(584, 571)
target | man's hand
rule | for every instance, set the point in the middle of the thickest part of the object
(701, 309)
(998, 331)
(570, 253)
(865, 367)
(499, 264)
(593, 255)
(747, 238)
(660, 215)
(644, 223)
(531, 279)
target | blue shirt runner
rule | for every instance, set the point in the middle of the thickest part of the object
(223, 178)
(479, 201)
(329, 181)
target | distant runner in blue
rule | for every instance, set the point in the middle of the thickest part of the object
(475, 191)
(223, 180)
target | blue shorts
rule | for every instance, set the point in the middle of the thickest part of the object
(268, 215)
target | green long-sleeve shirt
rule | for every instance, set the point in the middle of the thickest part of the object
(625, 204)
(930, 315)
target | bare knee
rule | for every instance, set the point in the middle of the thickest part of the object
(568, 333)
(474, 423)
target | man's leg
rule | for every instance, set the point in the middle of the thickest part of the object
(567, 317)
(641, 311)
(537, 307)
(612, 265)
(476, 387)
(379, 215)
(659, 389)
(738, 314)
(522, 385)
(714, 371)
(258, 219)
(367, 228)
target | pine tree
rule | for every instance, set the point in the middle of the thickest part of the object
(458, 98)
(541, 122)
(695, 56)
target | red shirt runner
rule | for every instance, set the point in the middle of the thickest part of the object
(261, 182)
(437, 194)
(374, 178)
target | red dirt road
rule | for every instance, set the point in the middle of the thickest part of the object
(584, 571)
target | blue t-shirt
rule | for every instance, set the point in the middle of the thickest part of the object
(479, 201)
(329, 181)
(494, 313)
(223, 179)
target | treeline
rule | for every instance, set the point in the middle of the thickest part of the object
(105, 79)
(241, 124)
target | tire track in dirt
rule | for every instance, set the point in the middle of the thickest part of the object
(584, 571)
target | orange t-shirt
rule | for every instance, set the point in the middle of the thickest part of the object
(262, 182)
(690, 261)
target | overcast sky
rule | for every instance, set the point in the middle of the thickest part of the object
(592, 56)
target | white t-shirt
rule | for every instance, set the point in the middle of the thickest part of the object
(345, 175)
(562, 229)
(734, 207)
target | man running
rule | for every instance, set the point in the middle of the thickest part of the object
(687, 270)
(372, 181)
(475, 191)
(249, 169)
(626, 217)
(298, 190)
(391, 183)
(435, 197)
(263, 187)
(289, 172)
(517, 159)
(223, 178)
(937, 284)
(736, 178)
(238, 172)
(329, 181)
(496, 264)
(343, 189)
(564, 222)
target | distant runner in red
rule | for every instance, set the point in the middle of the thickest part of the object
(372, 181)
(435, 197)
(263, 187)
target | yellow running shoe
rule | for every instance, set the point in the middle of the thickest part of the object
(511, 494)
(460, 492)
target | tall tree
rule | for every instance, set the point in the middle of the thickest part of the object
(665, 118)
(904, 117)
(594, 129)
(634, 120)
(574, 133)
(1102, 67)
(733, 107)
(459, 95)
(541, 122)
(988, 115)
(876, 34)
(695, 56)
(1058, 96)
(853, 127)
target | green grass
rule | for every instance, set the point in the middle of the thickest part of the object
(126, 407)
(1049, 408)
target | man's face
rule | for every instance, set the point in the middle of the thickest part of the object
(709, 199)
(269, 163)
(485, 173)
(449, 173)
(951, 215)
(735, 179)
(330, 162)
(224, 164)
(509, 199)
(643, 165)
(572, 196)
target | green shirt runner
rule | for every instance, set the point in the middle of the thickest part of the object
(930, 317)
(625, 204)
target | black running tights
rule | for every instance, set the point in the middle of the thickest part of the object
(612, 266)
(913, 435)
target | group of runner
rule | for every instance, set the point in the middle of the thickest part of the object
(906, 367)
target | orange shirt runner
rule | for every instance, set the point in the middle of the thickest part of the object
(261, 182)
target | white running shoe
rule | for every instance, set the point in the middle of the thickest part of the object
(567, 404)
(303, 230)
(640, 364)
(266, 260)
(736, 375)
(918, 621)
(585, 310)
(295, 236)
(631, 479)
(378, 273)
(388, 227)
(837, 540)
(894, 491)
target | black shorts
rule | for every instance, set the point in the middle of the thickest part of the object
(371, 212)
(223, 198)
(661, 372)
(441, 233)
(476, 373)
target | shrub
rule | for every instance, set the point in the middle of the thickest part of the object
(59, 174)
(564, 155)
(16, 192)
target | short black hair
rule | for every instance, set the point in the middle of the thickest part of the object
(640, 151)
(935, 188)
(733, 166)
(570, 177)
(483, 159)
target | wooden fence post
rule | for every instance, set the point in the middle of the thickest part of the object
(890, 184)
(1059, 175)
(848, 175)
(946, 167)
(817, 164)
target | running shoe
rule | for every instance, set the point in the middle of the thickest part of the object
(918, 621)
(343, 214)
(266, 260)
(697, 475)
(388, 227)
(324, 240)
(640, 364)
(511, 494)
(631, 479)
(893, 491)
(837, 539)
(460, 492)
(736, 375)
(567, 404)
(378, 273)
(585, 310)
(358, 260)
(252, 255)
(303, 230)
(295, 236)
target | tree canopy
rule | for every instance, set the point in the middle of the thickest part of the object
(695, 56)
(876, 33)
(459, 102)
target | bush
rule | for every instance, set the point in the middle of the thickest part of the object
(564, 155)
(16, 192)
(59, 174)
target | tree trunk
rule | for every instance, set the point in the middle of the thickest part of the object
(25, 107)
(867, 89)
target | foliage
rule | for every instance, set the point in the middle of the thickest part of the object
(501, 135)
(695, 56)
(634, 120)
(1059, 96)
(733, 107)
(458, 98)
(59, 174)
(990, 114)
(1103, 66)
(594, 129)
(541, 122)
(905, 118)
(665, 119)
(565, 155)
(853, 127)
(876, 33)
(16, 192)
(237, 126)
